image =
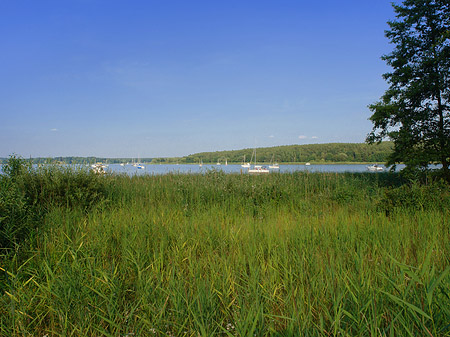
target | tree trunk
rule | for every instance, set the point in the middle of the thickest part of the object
(442, 141)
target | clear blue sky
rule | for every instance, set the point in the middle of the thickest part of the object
(153, 78)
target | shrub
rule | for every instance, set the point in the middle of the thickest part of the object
(415, 196)
(27, 194)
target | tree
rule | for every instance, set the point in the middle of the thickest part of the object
(414, 111)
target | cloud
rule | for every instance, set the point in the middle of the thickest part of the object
(302, 137)
(54, 130)
(315, 137)
(271, 136)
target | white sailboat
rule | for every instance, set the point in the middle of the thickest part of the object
(375, 168)
(257, 169)
(138, 165)
(99, 168)
(244, 164)
(272, 164)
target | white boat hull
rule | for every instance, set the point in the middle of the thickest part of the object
(258, 170)
(375, 168)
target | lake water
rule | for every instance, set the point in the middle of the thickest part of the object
(156, 169)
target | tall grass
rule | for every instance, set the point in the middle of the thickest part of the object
(28, 193)
(299, 254)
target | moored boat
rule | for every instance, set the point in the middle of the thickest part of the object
(375, 168)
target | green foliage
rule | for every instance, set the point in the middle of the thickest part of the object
(79, 160)
(318, 153)
(214, 254)
(415, 111)
(27, 194)
(15, 167)
(15, 214)
(416, 197)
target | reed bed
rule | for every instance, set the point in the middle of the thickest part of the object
(300, 254)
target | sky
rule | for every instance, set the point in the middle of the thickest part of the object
(164, 78)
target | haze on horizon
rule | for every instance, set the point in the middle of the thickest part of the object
(156, 79)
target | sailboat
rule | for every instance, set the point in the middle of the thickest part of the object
(99, 167)
(244, 164)
(138, 165)
(257, 169)
(375, 168)
(272, 164)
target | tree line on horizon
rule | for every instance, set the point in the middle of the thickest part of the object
(79, 160)
(316, 153)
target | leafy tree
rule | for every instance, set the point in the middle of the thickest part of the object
(414, 111)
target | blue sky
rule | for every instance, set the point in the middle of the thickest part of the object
(153, 78)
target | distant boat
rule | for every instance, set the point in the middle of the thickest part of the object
(200, 164)
(257, 169)
(272, 164)
(99, 167)
(139, 165)
(307, 164)
(375, 168)
(244, 164)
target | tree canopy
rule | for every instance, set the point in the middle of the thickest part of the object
(414, 111)
(315, 153)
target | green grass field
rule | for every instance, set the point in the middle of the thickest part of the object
(299, 254)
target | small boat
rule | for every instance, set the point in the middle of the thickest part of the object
(139, 166)
(308, 164)
(99, 167)
(273, 165)
(244, 164)
(200, 164)
(375, 168)
(257, 169)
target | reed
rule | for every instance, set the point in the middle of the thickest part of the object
(301, 254)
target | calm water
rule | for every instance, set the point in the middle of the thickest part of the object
(164, 169)
(172, 168)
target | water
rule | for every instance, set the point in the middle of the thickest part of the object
(155, 169)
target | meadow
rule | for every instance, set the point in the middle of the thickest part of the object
(214, 254)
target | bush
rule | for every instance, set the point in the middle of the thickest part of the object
(15, 214)
(27, 194)
(415, 196)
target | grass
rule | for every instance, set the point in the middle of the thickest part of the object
(299, 254)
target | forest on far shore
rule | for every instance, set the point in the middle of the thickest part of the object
(314, 153)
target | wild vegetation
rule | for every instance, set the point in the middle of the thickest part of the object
(316, 153)
(299, 254)
(80, 160)
(414, 113)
